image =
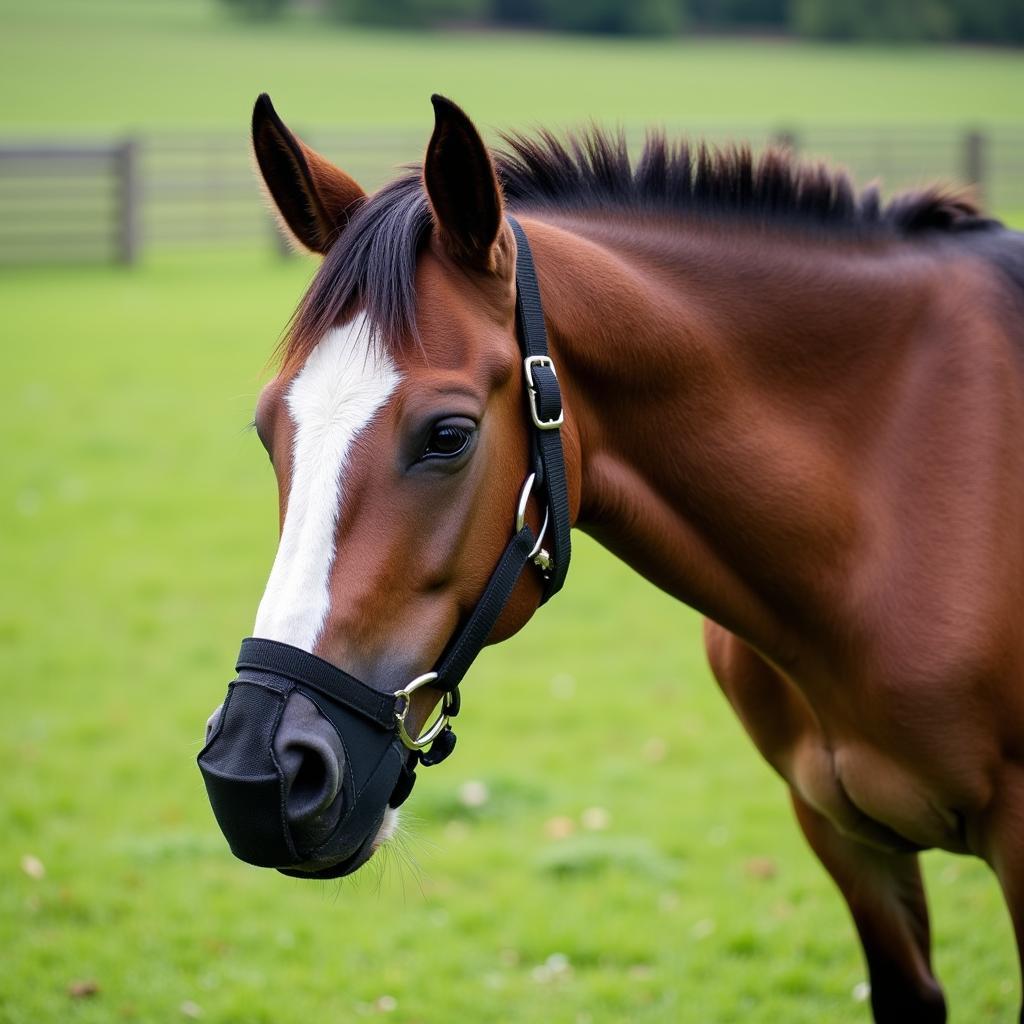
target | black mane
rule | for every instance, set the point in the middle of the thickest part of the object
(593, 169)
(373, 263)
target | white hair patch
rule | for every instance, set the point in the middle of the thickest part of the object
(334, 396)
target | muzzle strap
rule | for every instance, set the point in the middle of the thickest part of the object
(302, 667)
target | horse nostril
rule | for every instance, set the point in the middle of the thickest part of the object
(312, 780)
(312, 762)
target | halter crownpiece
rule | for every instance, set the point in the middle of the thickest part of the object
(245, 782)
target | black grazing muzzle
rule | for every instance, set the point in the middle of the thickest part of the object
(245, 764)
(250, 790)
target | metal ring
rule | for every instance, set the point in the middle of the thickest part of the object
(524, 499)
(405, 697)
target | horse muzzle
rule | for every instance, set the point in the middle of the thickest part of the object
(298, 773)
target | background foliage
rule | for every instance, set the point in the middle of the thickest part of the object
(894, 20)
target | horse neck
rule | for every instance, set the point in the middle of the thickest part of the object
(721, 388)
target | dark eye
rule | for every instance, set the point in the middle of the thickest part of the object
(448, 440)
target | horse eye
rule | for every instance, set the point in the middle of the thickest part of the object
(447, 440)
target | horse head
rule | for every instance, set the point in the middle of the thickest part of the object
(400, 437)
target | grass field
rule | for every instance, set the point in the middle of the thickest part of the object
(632, 859)
(115, 64)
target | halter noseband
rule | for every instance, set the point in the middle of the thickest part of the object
(370, 722)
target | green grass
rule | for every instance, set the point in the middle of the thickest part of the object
(138, 523)
(113, 64)
(138, 519)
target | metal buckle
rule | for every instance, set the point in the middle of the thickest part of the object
(531, 393)
(404, 696)
(538, 555)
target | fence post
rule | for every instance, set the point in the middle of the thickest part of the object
(974, 161)
(126, 162)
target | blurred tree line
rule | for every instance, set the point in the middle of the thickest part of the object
(879, 20)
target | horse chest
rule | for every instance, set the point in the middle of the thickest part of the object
(857, 760)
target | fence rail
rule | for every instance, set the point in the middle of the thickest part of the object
(69, 201)
(72, 201)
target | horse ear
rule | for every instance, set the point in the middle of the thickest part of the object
(314, 198)
(463, 187)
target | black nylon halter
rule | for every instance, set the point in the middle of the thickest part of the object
(544, 402)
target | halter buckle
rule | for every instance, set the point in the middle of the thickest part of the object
(531, 393)
(403, 700)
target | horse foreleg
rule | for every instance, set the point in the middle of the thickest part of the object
(885, 894)
(1004, 849)
(883, 890)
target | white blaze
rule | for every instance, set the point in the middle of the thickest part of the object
(333, 397)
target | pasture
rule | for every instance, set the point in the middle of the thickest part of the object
(607, 846)
(118, 64)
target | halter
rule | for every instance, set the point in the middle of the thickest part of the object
(372, 722)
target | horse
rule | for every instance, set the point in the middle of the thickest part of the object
(789, 404)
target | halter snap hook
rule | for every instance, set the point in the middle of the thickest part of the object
(538, 555)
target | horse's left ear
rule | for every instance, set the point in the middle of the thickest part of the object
(463, 188)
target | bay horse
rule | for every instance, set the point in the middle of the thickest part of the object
(793, 407)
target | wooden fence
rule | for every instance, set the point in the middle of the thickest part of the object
(67, 202)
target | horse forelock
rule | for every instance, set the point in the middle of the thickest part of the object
(370, 270)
